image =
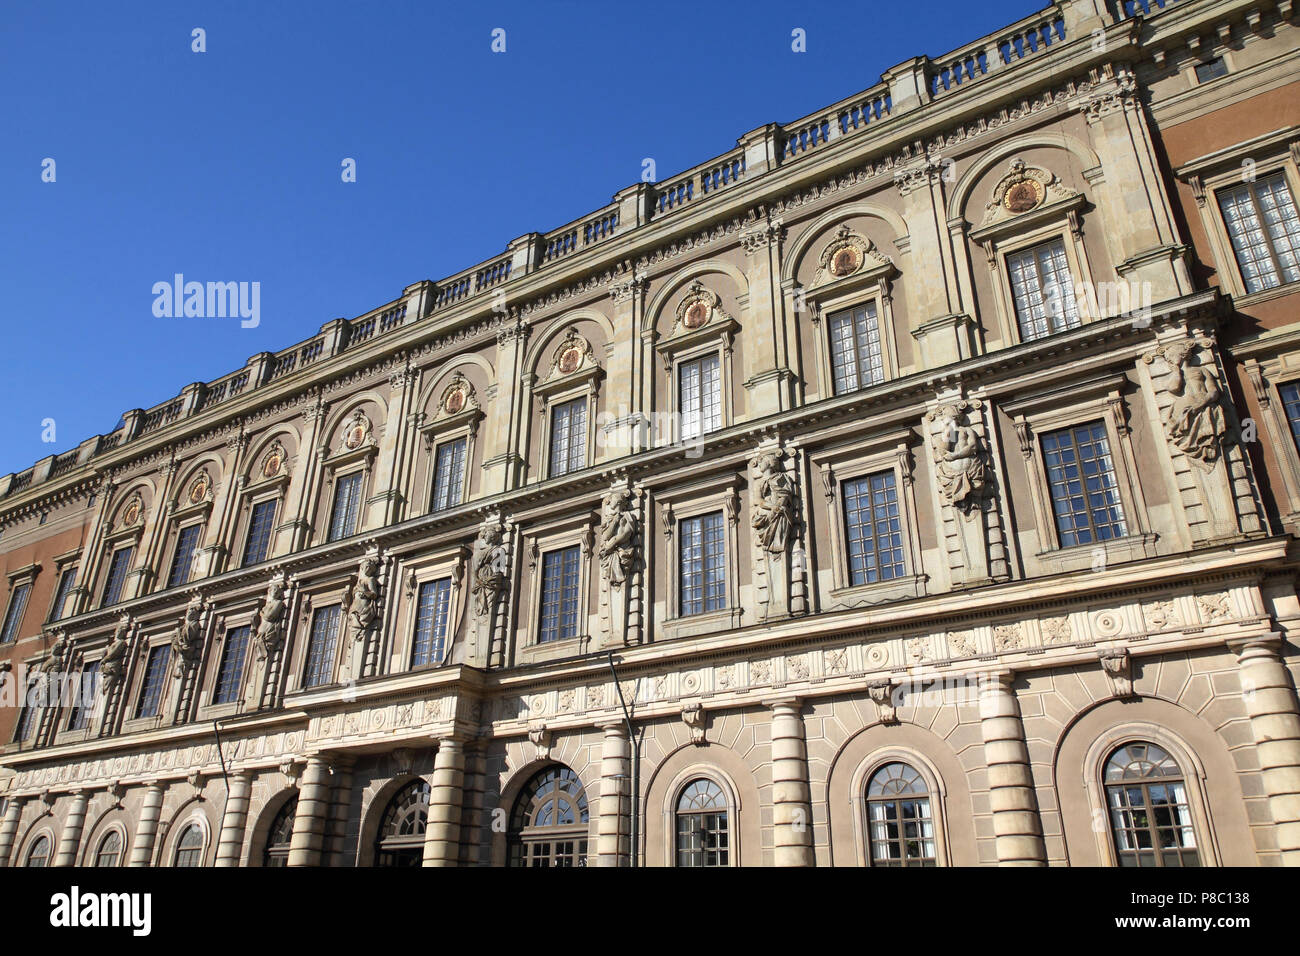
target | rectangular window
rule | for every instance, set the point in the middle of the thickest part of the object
(67, 581)
(857, 359)
(702, 565)
(699, 396)
(83, 704)
(568, 437)
(1291, 404)
(1211, 70)
(26, 717)
(186, 541)
(155, 679)
(431, 622)
(873, 528)
(14, 613)
(559, 619)
(1264, 229)
(1042, 290)
(448, 474)
(230, 672)
(118, 567)
(1081, 477)
(347, 503)
(320, 646)
(260, 524)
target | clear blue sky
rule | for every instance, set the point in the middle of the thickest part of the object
(225, 165)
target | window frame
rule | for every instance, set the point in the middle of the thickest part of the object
(113, 547)
(335, 483)
(415, 574)
(302, 658)
(174, 552)
(443, 428)
(545, 539)
(252, 502)
(148, 648)
(448, 624)
(870, 284)
(716, 493)
(17, 603)
(938, 793)
(735, 809)
(1279, 171)
(220, 662)
(193, 823)
(583, 383)
(64, 565)
(1268, 374)
(676, 815)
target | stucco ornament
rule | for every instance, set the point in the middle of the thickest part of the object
(363, 610)
(961, 468)
(187, 639)
(270, 631)
(1022, 189)
(113, 664)
(619, 529)
(847, 253)
(1194, 420)
(774, 503)
(491, 567)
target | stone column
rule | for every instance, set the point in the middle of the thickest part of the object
(9, 827)
(313, 809)
(341, 796)
(442, 833)
(231, 842)
(613, 824)
(147, 828)
(1016, 824)
(70, 838)
(1270, 701)
(791, 798)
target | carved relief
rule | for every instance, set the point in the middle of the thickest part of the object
(489, 584)
(774, 519)
(273, 462)
(883, 694)
(1118, 666)
(846, 254)
(364, 602)
(1056, 630)
(1023, 189)
(356, 432)
(693, 717)
(961, 643)
(961, 468)
(187, 640)
(112, 665)
(571, 355)
(698, 307)
(1007, 637)
(1194, 420)
(620, 564)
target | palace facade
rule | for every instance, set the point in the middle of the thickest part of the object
(915, 484)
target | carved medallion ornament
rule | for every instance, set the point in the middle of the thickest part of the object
(846, 254)
(457, 396)
(356, 431)
(574, 352)
(1022, 189)
(132, 512)
(698, 308)
(200, 488)
(273, 461)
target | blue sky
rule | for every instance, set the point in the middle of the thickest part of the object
(225, 165)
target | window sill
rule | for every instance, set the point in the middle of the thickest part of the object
(220, 711)
(880, 592)
(1264, 295)
(1076, 557)
(708, 622)
(536, 653)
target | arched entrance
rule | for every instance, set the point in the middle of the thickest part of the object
(401, 831)
(550, 821)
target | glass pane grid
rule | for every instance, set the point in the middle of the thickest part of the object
(700, 396)
(1081, 477)
(703, 570)
(449, 474)
(559, 611)
(260, 524)
(321, 645)
(857, 359)
(347, 503)
(155, 679)
(230, 673)
(14, 613)
(431, 622)
(874, 528)
(118, 566)
(186, 541)
(1042, 290)
(568, 437)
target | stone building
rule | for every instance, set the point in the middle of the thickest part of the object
(914, 484)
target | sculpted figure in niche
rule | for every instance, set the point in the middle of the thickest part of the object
(188, 638)
(112, 664)
(774, 497)
(270, 632)
(363, 612)
(491, 564)
(618, 534)
(960, 469)
(1194, 421)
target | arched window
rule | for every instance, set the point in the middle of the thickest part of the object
(1150, 817)
(39, 854)
(550, 821)
(899, 816)
(401, 831)
(110, 849)
(703, 825)
(189, 848)
(281, 835)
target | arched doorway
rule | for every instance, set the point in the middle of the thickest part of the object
(401, 830)
(550, 821)
(280, 836)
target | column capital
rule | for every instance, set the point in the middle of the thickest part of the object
(612, 725)
(1263, 646)
(790, 703)
(995, 680)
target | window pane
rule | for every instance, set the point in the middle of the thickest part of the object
(857, 359)
(873, 528)
(1150, 815)
(568, 437)
(186, 542)
(347, 503)
(1081, 476)
(1042, 290)
(155, 679)
(84, 702)
(702, 564)
(699, 396)
(1265, 231)
(449, 474)
(260, 524)
(431, 622)
(320, 646)
(14, 613)
(118, 566)
(1291, 403)
(230, 674)
(67, 581)
(559, 614)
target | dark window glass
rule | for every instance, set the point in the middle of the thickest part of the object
(1265, 230)
(703, 825)
(898, 815)
(26, 725)
(118, 566)
(186, 542)
(431, 622)
(230, 672)
(320, 647)
(549, 823)
(110, 849)
(702, 564)
(874, 528)
(189, 848)
(14, 613)
(1150, 817)
(1291, 404)
(155, 679)
(1211, 70)
(347, 503)
(1081, 477)
(568, 437)
(84, 702)
(39, 854)
(281, 835)
(448, 474)
(559, 619)
(401, 831)
(67, 581)
(260, 524)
